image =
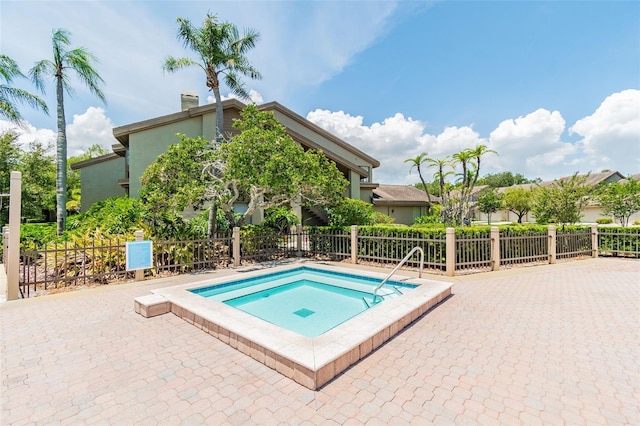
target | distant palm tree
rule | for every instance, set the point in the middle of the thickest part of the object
(222, 52)
(417, 162)
(64, 60)
(477, 153)
(10, 96)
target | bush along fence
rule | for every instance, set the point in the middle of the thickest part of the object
(447, 251)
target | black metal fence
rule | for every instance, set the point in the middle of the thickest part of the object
(103, 261)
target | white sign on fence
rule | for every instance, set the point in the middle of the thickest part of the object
(139, 255)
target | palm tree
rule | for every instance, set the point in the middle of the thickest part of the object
(477, 153)
(9, 96)
(441, 176)
(222, 54)
(417, 162)
(79, 60)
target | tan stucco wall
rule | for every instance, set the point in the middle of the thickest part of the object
(402, 214)
(146, 146)
(590, 214)
(100, 181)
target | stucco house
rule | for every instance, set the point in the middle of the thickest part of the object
(590, 213)
(140, 143)
(404, 203)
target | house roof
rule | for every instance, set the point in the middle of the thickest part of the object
(95, 160)
(122, 133)
(635, 176)
(400, 195)
(593, 179)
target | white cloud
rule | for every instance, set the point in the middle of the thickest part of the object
(254, 97)
(87, 129)
(532, 145)
(395, 140)
(390, 142)
(28, 134)
(611, 135)
(453, 140)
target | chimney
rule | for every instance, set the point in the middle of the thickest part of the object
(188, 100)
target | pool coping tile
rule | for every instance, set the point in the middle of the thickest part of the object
(310, 362)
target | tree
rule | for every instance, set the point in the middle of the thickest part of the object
(38, 168)
(456, 199)
(445, 189)
(489, 201)
(562, 202)
(10, 96)
(175, 181)
(620, 199)
(261, 167)
(350, 211)
(264, 165)
(9, 161)
(65, 60)
(504, 179)
(518, 200)
(478, 152)
(222, 52)
(433, 187)
(417, 162)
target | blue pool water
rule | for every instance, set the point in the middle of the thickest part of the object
(304, 300)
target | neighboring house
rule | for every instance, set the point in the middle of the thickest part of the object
(404, 203)
(141, 143)
(590, 213)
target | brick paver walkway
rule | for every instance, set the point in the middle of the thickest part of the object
(551, 344)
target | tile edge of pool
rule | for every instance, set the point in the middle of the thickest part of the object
(311, 362)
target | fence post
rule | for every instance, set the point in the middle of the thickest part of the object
(139, 236)
(451, 252)
(594, 241)
(13, 258)
(495, 248)
(354, 244)
(552, 244)
(236, 246)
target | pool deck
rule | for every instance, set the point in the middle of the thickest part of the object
(551, 344)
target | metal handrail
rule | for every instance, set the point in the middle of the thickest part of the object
(402, 262)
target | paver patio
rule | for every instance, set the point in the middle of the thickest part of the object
(549, 344)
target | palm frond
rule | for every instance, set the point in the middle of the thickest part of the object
(172, 64)
(39, 71)
(80, 60)
(235, 85)
(9, 69)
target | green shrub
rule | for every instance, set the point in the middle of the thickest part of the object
(34, 235)
(116, 215)
(351, 212)
(280, 218)
(604, 220)
(426, 219)
(433, 217)
(381, 218)
(619, 239)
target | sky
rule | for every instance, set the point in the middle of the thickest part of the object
(552, 87)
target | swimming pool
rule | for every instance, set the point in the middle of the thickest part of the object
(309, 361)
(304, 300)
